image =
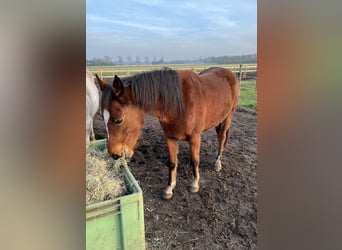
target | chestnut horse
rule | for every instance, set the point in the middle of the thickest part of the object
(185, 103)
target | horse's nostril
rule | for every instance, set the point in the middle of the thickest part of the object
(115, 157)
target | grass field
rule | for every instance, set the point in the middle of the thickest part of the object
(248, 95)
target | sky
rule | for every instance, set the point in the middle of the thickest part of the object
(174, 29)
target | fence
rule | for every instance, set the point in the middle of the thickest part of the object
(107, 71)
(246, 73)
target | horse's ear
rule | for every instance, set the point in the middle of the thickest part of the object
(102, 83)
(117, 87)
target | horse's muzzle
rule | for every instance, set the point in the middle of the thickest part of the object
(115, 156)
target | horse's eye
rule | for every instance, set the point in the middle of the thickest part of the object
(116, 121)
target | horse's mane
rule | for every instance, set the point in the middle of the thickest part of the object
(106, 97)
(149, 88)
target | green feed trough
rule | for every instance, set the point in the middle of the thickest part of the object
(119, 223)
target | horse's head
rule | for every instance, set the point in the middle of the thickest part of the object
(123, 119)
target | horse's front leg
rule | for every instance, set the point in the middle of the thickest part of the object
(195, 143)
(172, 164)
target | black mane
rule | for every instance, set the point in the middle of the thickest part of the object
(159, 85)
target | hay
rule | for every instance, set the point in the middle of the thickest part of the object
(104, 179)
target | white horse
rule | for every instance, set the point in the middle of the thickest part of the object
(92, 105)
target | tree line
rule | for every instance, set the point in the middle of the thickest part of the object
(108, 61)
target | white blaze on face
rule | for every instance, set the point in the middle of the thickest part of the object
(106, 116)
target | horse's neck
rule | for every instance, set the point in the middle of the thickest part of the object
(160, 116)
(157, 113)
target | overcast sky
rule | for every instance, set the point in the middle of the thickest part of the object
(174, 29)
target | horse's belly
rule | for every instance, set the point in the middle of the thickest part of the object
(215, 116)
(177, 130)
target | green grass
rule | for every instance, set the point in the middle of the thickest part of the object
(248, 95)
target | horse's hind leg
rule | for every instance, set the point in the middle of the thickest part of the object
(195, 143)
(172, 164)
(222, 131)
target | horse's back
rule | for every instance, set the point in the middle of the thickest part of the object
(216, 72)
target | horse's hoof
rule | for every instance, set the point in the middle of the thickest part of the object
(194, 189)
(167, 196)
(218, 166)
(218, 169)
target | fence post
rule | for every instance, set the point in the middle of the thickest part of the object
(240, 72)
(244, 74)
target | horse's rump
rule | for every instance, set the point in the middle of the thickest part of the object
(210, 97)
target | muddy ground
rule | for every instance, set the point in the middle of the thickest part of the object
(223, 214)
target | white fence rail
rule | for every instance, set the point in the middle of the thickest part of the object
(107, 71)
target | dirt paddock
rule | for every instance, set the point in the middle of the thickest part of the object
(223, 214)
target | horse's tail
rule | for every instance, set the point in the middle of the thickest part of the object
(235, 87)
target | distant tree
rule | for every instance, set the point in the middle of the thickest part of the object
(146, 60)
(137, 60)
(107, 60)
(129, 60)
(120, 61)
(251, 58)
(154, 60)
(160, 61)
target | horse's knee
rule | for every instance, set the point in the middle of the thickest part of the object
(171, 165)
(194, 163)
